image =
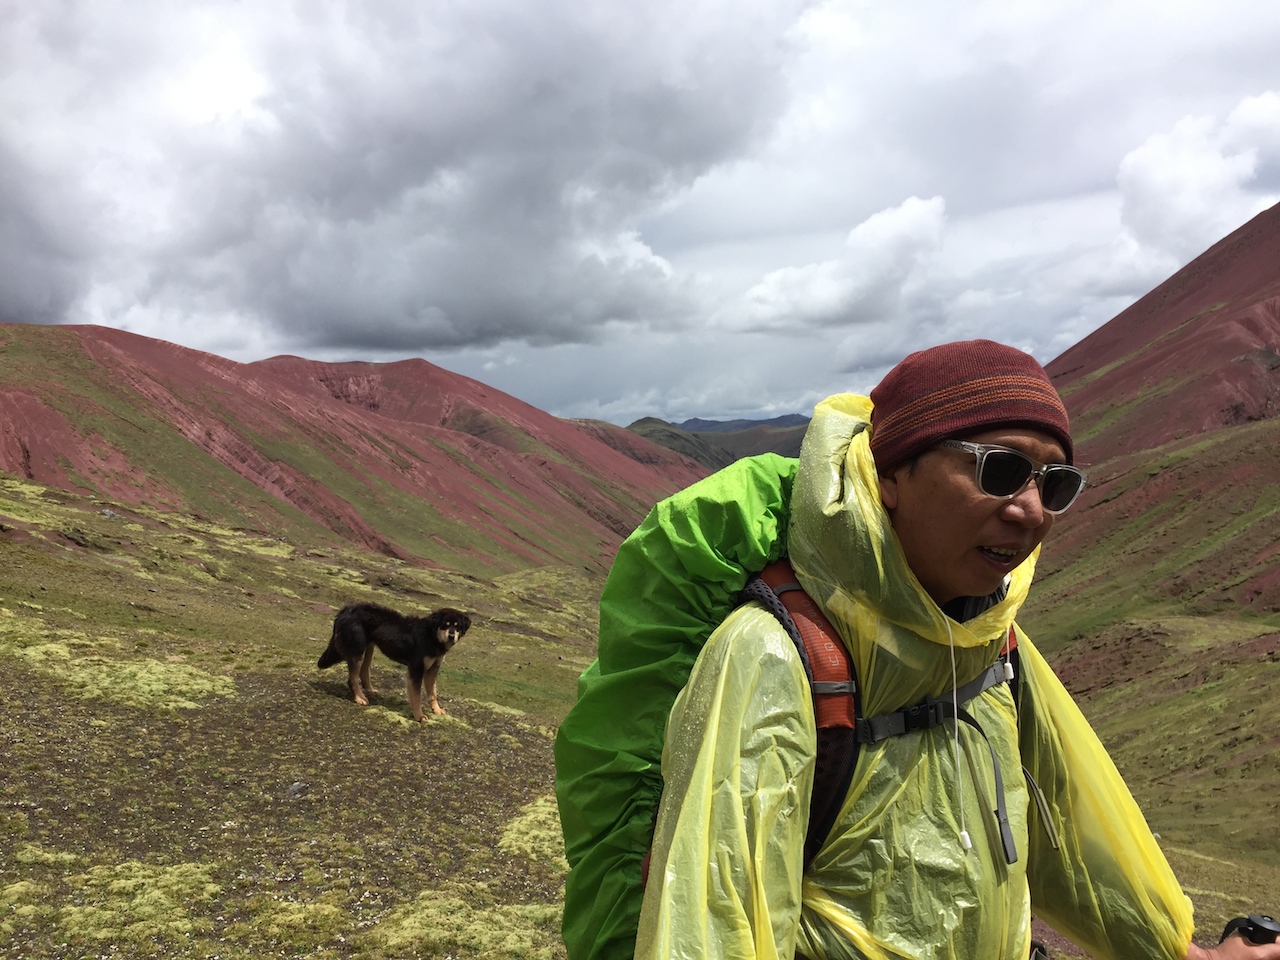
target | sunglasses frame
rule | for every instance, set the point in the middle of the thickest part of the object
(1038, 471)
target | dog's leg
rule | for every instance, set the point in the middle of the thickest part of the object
(353, 681)
(364, 672)
(413, 689)
(429, 680)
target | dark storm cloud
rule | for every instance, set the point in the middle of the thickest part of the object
(41, 254)
(410, 176)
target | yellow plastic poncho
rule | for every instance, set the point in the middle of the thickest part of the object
(892, 880)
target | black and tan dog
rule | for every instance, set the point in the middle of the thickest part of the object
(418, 642)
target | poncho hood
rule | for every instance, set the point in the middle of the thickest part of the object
(848, 558)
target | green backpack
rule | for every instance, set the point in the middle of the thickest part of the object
(672, 583)
(696, 556)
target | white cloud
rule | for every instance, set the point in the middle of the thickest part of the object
(382, 175)
(1186, 188)
(682, 208)
(1256, 120)
(866, 283)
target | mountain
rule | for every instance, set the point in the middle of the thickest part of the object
(730, 426)
(403, 458)
(1174, 406)
(764, 437)
(717, 443)
(1158, 596)
(705, 450)
(1196, 354)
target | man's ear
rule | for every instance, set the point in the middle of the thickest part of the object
(889, 490)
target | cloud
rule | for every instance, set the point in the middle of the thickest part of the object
(39, 248)
(1039, 275)
(383, 174)
(708, 208)
(1186, 188)
(866, 283)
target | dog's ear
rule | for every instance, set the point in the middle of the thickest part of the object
(464, 622)
(439, 618)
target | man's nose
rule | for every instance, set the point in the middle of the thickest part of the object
(1026, 507)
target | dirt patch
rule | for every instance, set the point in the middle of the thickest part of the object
(1117, 655)
(1059, 946)
(280, 820)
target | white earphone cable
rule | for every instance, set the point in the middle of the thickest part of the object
(965, 842)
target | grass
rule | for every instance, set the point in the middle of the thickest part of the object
(181, 781)
(191, 443)
(1196, 536)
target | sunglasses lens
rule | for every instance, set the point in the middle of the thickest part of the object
(1004, 473)
(1060, 487)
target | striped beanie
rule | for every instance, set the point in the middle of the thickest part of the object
(958, 389)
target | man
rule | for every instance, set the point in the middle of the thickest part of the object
(913, 522)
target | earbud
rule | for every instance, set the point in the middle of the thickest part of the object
(965, 842)
(1008, 670)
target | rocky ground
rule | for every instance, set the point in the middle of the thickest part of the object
(179, 780)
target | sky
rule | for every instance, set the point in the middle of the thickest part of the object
(677, 208)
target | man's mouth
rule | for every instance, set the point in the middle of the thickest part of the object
(1001, 555)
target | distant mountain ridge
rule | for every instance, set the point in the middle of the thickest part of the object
(717, 443)
(732, 426)
(404, 458)
(706, 450)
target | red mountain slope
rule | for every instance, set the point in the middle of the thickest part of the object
(404, 457)
(1199, 352)
(1175, 408)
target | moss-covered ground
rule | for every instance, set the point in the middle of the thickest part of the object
(180, 780)
(1185, 706)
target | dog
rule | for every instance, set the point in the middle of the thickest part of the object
(418, 642)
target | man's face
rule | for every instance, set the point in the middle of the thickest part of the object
(958, 541)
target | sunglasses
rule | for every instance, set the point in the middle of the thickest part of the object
(1004, 473)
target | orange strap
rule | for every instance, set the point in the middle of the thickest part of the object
(1011, 644)
(829, 659)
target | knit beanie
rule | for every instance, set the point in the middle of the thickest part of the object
(958, 389)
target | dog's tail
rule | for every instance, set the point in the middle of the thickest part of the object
(331, 654)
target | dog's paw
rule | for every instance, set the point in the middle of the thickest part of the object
(438, 710)
(361, 699)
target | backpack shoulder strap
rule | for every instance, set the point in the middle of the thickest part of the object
(836, 698)
(829, 666)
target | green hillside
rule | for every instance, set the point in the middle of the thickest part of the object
(181, 781)
(1156, 600)
(430, 466)
(704, 450)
